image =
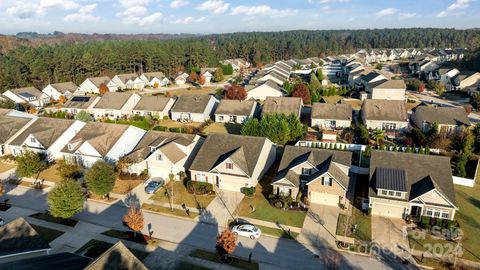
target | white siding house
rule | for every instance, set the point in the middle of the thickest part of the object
(194, 108)
(264, 90)
(116, 105)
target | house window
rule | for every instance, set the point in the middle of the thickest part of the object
(436, 213)
(429, 212)
(391, 193)
(149, 113)
(69, 146)
(229, 165)
(445, 215)
(159, 157)
(384, 192)
(32, 140)
(137, 113)
(305, 171)
(220, 118)
(398, 194)
(389, 126)
(200, 177)
(327, 181)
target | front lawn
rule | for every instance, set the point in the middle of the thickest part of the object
(193, 91)
(182, 196)
(425, 242)
(167, 210)
(363, 223)
(50, 174)
(468, 216)
(46, 233)
(224, 128)
(125, 186)
(280, 233)
(265, 211)
(6, 166)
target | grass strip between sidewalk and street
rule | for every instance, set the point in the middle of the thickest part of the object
(168, 211)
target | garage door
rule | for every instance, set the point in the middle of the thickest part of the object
(231, 185)
(386, 210)
(324, 198)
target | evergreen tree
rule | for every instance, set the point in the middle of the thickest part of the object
(29, 163)
(100, 178)
(66, 199)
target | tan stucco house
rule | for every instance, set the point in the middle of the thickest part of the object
(321, 175)
(403, 184)
(232, 162)
(388, 115)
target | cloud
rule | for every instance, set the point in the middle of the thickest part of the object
(149, 20)
(262, 10)
(132, 3)
(442, 14)
(404, 16)
(326, 1)
(386, 12)
(64, 4)
(22, 10)
(189, 20)
(459, 4)
(178, 3)
(83, 15)
(136, 12)
(214, 6)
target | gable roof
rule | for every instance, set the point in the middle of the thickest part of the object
(64, 87)
(384, 110)
(270, 84)
(101, 136)
(18, 236)
(338, 111)
(97, 81)
(370, 76)
(422, 172)
(322, 159)
(58, 261)
(80, 102)
(23, 92)
(152, 75)
(45, 130)
(113, 100)
(117, 257)
(158, 139)
(152, 103)
(440, 115)
(126, 77)
(391, 179)
(192, 103)
(285, 105)
(389, 84)
(235, 107)
(244, 151)
(10, 126)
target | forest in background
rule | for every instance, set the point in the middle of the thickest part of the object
(38, 65)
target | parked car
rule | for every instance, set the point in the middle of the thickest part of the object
(2, 222)
(153, 186)
(247, 230)
(158, 179)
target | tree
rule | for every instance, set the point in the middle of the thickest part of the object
(314, 82)
(279, 128)
(84, 116)
(29, 163)
(421, 87)
(201, 80)
(2, 188)
(320, 74)
(288, 87)
(226, 243)
(218, 75)
(193, 77)
(378, 135)
(362, 134)
(103, 89)
(100, 178)
(7, 104)
(227, 69)
(236, 92)
(66, 199)
(301, 90)
(133, 219)
(67, 170)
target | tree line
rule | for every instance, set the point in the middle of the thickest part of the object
(38, 66)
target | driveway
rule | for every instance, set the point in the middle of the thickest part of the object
(221, 209)
(320, 225)
(389, 233)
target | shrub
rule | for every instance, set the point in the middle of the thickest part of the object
(425, 223)
(160, 128)
(166, 117)
(248, 191)
(199, 187)
(176, 129)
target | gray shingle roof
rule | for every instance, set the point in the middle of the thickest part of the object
(423, 172)
(336, 111)
(18, 236)
(27, 90)
(152, 103)
(45, 130)
(59, 261)
(126, 77)
(117, 257)
(440, 115)
(285, 105)
(64, 87)
(113, 100)
(243, 150)
(389, 84)
(10, 125)
(151, 75)
(97, 81)
(384, 110)
(235, 107)
(191, 103)
(391, 179)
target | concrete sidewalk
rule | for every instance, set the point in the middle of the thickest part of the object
(221, 209)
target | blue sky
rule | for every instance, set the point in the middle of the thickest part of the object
(220, 16)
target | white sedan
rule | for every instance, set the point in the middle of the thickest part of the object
(247, 230)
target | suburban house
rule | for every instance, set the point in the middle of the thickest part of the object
(46, 136)
(58, 90)
(194, 108)
(464, 80)
(180, 78)
(386, 89)
(265, 89)
(124, 81)
(403, 184)
(366, 79)
(154, 79)
(283, 105)
(320, 175)
(273, 75)
(449, 119)
(233, 162)
(235, 111)
(92, 85)
(237, 63)
(155, 106)
(388, 115)
(446, 75)
(11, 126)
(18, 240)
(208, 74)
(101, 141)
(30, 95)
(117, 257)
(115, 105)
(163, 153)
(77, 104)
(331, 116)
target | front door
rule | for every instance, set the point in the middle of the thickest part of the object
(416, 211)
(217, 181)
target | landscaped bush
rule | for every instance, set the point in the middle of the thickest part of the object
(425, 223)
(248, 191)
(176, 129)
(160, 128)
(165, 117)
(132, 176)
(199, 187)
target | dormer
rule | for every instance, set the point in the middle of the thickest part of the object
(391, 183)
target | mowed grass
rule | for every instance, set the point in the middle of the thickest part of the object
(468, 216)
(182, 196)
(51, 174)
(168, 211)
(224, 128)
(125, 186)
(193, 91)
(6, 166)
(275, 232)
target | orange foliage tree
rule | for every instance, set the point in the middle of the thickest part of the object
(2, 188)
(134, 219)
(193, 77)
(226, 242)
(301, 90)
(235, 91)
(201, 80)
(62, 99)
(156, 85)
(103, 89)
